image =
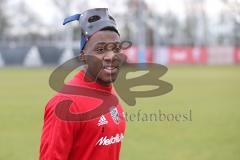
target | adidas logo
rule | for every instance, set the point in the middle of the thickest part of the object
(102, 121)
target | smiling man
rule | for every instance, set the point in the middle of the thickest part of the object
(100, 137)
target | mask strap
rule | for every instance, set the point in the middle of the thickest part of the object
(71, 18)
(83, 42)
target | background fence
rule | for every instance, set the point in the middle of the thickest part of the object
(37, 56)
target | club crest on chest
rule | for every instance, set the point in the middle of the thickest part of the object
(114, 114)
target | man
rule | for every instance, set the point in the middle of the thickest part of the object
(98, 138)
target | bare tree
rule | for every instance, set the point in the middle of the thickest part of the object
(4, 24)
(234, 9)
(27, 25)
(65, 7)
(195, 23)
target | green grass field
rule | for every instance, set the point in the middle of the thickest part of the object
(212, 94)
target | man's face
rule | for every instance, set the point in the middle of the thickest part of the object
(103, 57)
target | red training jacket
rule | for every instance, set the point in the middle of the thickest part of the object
(96, 139)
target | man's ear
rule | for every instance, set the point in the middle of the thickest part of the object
(83, 57)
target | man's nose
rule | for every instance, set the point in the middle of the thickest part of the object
(109, 56)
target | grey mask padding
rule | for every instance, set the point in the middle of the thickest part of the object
(93, 20)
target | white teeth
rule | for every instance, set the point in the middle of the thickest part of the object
(110, 68)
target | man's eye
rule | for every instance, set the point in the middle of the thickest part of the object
(116, 50)
(100, 50)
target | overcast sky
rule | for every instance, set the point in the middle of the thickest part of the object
(48, 13)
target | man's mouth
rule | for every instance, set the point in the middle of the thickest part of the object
(110, 69)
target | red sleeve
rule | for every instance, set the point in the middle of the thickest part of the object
(57, 135)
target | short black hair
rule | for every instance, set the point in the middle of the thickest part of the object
(109, 28)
